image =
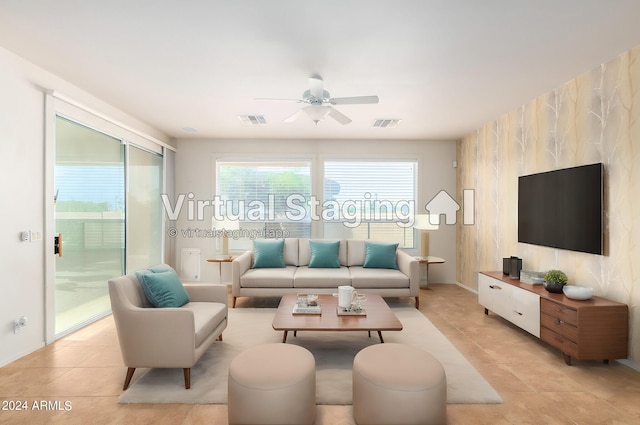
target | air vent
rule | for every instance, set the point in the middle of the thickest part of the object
(253, 119)
(386, 123)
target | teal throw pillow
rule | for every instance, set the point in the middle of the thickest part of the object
(163, 288)
(380, 256)
(268, 254)
(324, 254)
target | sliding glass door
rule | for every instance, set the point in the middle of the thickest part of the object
(90, 217)
(109, 216)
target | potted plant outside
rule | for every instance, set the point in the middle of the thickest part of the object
(554, 281)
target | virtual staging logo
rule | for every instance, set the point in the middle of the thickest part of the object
(226, 214)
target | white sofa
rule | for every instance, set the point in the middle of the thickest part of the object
(297, 277)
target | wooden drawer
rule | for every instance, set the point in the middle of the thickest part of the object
(566, 314)
(559, 326)
(568, 347)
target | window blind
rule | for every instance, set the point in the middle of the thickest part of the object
(255, 193)
(380, 194)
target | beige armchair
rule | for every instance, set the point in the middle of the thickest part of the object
(166, 337)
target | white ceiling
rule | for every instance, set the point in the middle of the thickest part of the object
(444, 67)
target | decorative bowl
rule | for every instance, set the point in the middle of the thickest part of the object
(577, 292)
(554, 287)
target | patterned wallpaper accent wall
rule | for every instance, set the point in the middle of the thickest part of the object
(593, 118)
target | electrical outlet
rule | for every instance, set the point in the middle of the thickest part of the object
(19, 325)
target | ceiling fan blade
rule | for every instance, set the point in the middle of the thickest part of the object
(316, 87)
(294, 116)
(356, 100)
(339, 116)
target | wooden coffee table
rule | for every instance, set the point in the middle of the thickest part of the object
(379, 317)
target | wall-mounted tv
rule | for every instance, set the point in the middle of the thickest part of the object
(563, 208)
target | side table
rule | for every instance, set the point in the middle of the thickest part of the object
(219, 259)
(426, 261)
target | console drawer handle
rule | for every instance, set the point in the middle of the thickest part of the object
(518, 313)
(494, 287)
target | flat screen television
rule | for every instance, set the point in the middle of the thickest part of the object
(563, 208)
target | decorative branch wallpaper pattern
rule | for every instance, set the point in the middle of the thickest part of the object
(593, 118)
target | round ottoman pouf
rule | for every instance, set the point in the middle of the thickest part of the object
(272, 384)
(395, 384)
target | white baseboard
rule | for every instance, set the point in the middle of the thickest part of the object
(475, 291)
(630, 364)
(20, 355)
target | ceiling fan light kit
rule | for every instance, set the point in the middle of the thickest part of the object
(320, 103)
(317, 112)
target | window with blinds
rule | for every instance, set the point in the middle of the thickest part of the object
(361, 200)
(254, 196)
(376, 200)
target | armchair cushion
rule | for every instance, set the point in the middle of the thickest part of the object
(163, 288)
(206, 318)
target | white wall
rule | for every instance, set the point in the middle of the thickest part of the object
(22, 173)
(22, 177)
(195, 173)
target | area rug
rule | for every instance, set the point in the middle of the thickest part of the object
(333, 352)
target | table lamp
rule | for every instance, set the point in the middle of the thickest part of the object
(227, 225)
(423, 223)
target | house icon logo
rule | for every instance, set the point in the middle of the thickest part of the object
(443, 203)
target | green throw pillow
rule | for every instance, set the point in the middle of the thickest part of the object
(380, 256)
(324, 254)
(163, 287)
(268, 254)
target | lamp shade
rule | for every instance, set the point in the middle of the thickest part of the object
(227, 225)
(423, 222)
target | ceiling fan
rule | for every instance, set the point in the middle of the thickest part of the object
(319, 103)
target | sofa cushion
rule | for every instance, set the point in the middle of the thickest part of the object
(268, 254)
(377, 278)
(163, 287)
(324, 254)
(268, 278)
(304, 249)
(206, 316)
(321, 278)
(380, 256)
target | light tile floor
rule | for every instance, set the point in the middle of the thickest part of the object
(85, 370)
